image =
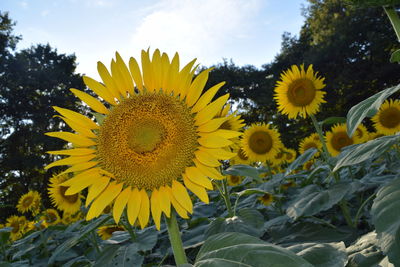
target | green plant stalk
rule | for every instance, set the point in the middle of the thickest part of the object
(325, 152)
(94, 241)
(129, 227)
(346, 213)
(358, 214)
(226, 197)
(394, 19)
(175, 239)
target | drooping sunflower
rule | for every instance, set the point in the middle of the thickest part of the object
(155, 136)
(290, 155)
(337, 138)
(361, 134)
(311, 141)
(18, 226)
(299, 92)
(387, 120)
(66, 203)
(261, 142)
(29, 202)
(50, 217)
(106, 231)
(240, 157)
(266, 199)
(234, 179)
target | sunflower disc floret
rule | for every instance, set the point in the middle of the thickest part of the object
(158, 136)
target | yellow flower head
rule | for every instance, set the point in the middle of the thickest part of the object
(299, 92)
(311, 141)
(69, 218)
(234, 180)
(50, 217)
(290, 155)
(285, 186)
(18, 225)
(308, 165)
(361, 134)
(261, 142)
(106, 231)
(156, 136)
(337, 138)
(66, 203)
(240, 157)
(266, 199)
(279, 158)
(29, 202)
(387, 120)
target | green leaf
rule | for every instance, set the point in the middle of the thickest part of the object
(366, 151)
(364, 252)
(128, 256)
(77, 237)
(313, 200)
(322, 255)
(332, 120)
(395, 57)
(386, 218)
(303, 158)
(5, 234)
(237, 249)
(107, 255)
(367, 108)
(244, 170)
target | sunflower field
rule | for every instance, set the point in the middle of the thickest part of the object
(156, 168)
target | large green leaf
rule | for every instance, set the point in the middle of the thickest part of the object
(322, 255)
(366, 151)
(395, 57)
(364, 252)
(243, 170)
(386, 218)
(367, 108)
(303, 158)
(237, 249)
(312, 200)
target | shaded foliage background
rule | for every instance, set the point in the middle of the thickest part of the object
(350, 47)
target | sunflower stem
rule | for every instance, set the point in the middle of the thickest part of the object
(358, 214)
(129, 227)
(227, 198)
(325, 153)
(175, 239)
(95, 243)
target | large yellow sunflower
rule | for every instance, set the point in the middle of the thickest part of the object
(361, 134)
(29, 202)
(387, 120)
(66, 203)
(299, 92)
(18, 224)
(337, 138)
(158, 138)
(311, 141)
(261, 142)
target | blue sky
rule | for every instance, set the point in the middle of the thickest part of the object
(246, 31)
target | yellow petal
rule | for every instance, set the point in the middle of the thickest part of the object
(155, 208)
(70, 161)
(76, 139)
(144, 209)
(211, 125)
(120, 203)
(77, 118)
(125, 73)
(207, 159)
(210, 110)
(214, 141)
(219, 153)
(196, 88)
(165, 66)
(157, 70)
(136, 74)
(179, 209)
(81, 181)
(80, 167)
(105, 198)
(181, 195)
(199, 191)
(173, 75)
(147, 71)
(207, 171)
(110, 85)
(207, 97)
(165, 202)
(96, 188)
(99, 89)
(185, 77)
(73, 152)
(134, 203)
(92, 102)
(197, 177)
(77, 127)
(118, 79)
(224, 133)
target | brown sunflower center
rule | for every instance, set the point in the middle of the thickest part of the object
(301, 92)
(359, 133)
(309, 145)
(27, 201)
(340, 140)
(289, 156)
(69, 198)
(234, 179)
(51, 217)
(242, 155)
(148, 140)
(110, 230)
(279, 155)
(390, 117)
(15, 226)
(260, 142)
(226, 126)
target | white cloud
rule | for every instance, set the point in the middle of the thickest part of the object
(23, 4)
(194, 28)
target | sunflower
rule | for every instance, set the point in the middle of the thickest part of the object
(66, 203)
(290, 155)
(299, 92)
(29, 202)
(285, 186)
(279, 157)
(361, 134)
(232, 122)
(240, 157)
(375, 135)
(266, 199)
(106, 231)
(17, 224)
(69, 218)
(234, 180)
(50, 217)
(308, 165)
(337, 138)
(311, 141)
(261, 142)
(157, 139)
(387, 120)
